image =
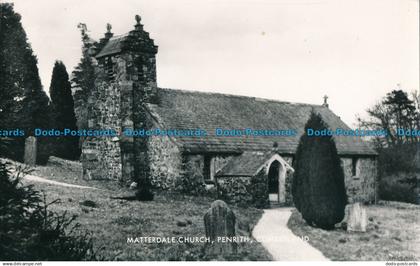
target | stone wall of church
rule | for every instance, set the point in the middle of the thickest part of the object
(124, 83)
(101, 155)
(196, 164)
(142, 72)
(362, 186)
(165, 162)
(110, 107)
(117, 103)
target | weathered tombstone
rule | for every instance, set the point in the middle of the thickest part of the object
(30, 151)
(357, 218)
(219, 222)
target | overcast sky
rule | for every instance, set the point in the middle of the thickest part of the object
(289, 50)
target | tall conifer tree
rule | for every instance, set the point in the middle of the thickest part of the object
(318, 183)
(23, 102)
(63, 116)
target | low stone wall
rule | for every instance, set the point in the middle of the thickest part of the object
(234, 189)
(244, 190)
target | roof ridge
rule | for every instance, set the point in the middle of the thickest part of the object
(119, 36)
(239, 96)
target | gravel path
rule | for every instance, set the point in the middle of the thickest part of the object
(44, 180)
(272, 232)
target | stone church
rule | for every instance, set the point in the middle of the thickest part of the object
(253, 170)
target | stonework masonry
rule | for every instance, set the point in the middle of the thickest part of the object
(250, 190)
(102, 155)
(362, 186)
(289, 179)
(165, 162)
(125, 82)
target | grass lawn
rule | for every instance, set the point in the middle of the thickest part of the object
(112, 221)
(393, 233)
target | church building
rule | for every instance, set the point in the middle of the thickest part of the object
(254, 169)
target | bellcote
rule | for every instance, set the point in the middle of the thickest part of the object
(137, 40)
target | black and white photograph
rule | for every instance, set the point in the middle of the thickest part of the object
(209, 130)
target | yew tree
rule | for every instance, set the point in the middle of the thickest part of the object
(318, 185)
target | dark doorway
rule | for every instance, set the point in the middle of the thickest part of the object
(273, 178)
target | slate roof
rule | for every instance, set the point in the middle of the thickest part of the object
(245, 164)
(180, 109)
(113, 46)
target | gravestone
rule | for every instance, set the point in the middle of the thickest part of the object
(357, 218)
(30, 151)
(219, 222)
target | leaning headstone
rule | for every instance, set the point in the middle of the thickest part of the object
(219, 222)
(357, 218)
(30, 151)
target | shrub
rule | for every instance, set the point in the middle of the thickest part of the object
(12, 148)
(62, 113)
(259, 190)
(399, 158)
(44, 150)
(400, 187)
(318, 184)
(191, 181)
(30, 231)
(399, 172)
